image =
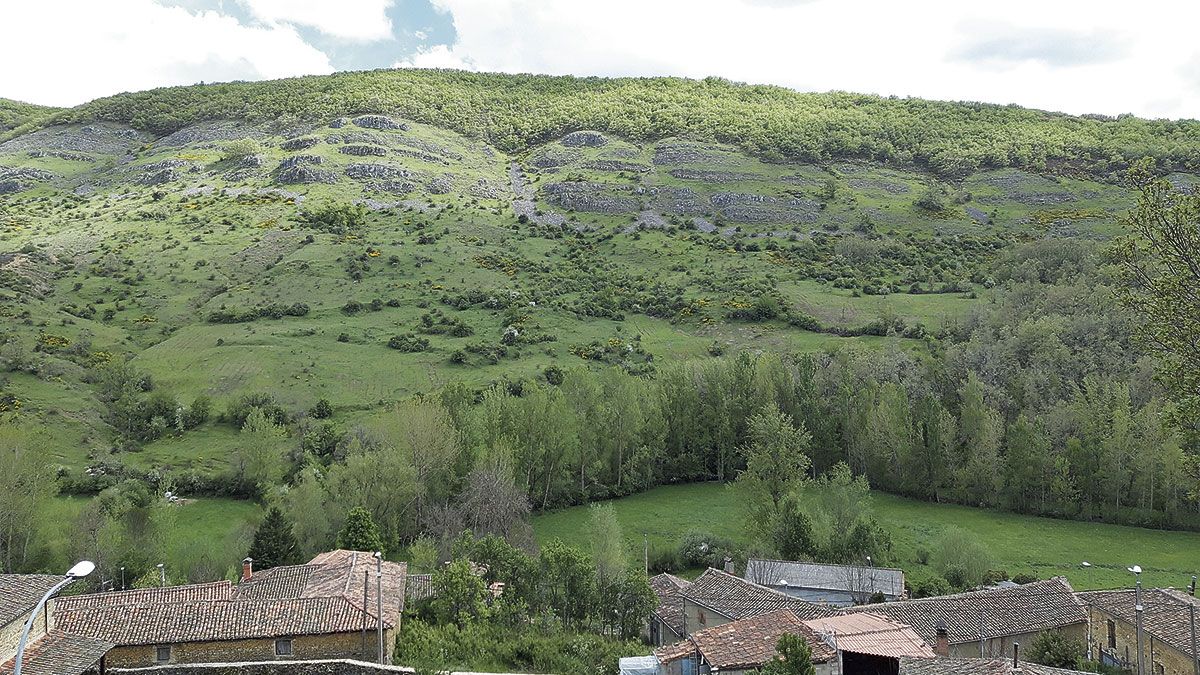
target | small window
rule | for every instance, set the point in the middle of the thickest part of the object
(1112, 634)
(162, 653)
(283, 647)
(1159, 669)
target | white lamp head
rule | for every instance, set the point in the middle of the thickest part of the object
(1136, 569)
(377, 554)
(81, 569)
(1085, 564)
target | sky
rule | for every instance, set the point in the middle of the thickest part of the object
(1097, 56)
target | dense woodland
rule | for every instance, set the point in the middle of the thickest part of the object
(515, 112)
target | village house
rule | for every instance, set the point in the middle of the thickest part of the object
(985, 624)
(717, 597)
(837, 585)
(1166, 629)
(1008, 666)
(48, 650)
(862, 644)
(665, 625)
(327, 608)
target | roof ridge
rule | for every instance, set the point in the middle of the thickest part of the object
(821, 564)
(974, 593)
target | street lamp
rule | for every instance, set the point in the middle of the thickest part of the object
(379, 599)
(79, 571)
(1088, 567)
(1137, 608)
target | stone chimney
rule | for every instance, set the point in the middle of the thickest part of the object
(729, 566)
(247, 569)
(943, 641)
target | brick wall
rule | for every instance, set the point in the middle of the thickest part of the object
(1155, 652)
(304, 647)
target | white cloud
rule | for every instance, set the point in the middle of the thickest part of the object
(1117, 60)
(58, 52)
(437, 56)
(359, 20)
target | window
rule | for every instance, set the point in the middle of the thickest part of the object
(162, 653)
(1112, 634)
(1159, 669)
(283, 647)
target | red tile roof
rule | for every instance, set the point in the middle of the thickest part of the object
(1001, 612)
(735, 598)
(746, 643)
(868, 633)
(321, 597)
(59, 653)
(670, 603)
(20, 592)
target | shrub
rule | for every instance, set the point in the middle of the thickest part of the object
(239, 148)
(931, 586)
(409, 342)
(240, 409)
(339, 218)
(322, 410)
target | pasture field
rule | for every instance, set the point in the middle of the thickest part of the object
(1041, 546)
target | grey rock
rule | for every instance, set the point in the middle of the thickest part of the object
(339, 122)
(379, 122)
(754, 208)
(392, 187)
(879, 185)
(485, 189)
(363, 150)
(158, 177)
(62, 154)
(100, 139)
(616, 165)
(552, 157)
(301, 173)
(441, 185)
(301, 143)
(590, 197)
(709, 176)
(376, 171)
(676, 153)
(978, 215)
(584, 139)
(300, 160)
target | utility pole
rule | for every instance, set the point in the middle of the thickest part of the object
(646, 552)
(1137, 608)
(162, 575)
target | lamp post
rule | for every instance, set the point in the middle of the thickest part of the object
(1087, 566)
(122, 577)
(379, 599)
(162, 575)
(79, 571)
(1137, 608)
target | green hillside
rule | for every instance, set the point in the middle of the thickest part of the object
(170, 257)
(15, 113)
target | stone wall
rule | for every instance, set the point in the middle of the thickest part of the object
(325, 667)
(304, 647)
(1002, 647)
(10, 634)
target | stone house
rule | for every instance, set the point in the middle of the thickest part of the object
(837, 585)
(986, 623)
(48, 650)
(742, 646)
(1166, 629)
(717, 597)
(327, 608)
(943, 666)
(665, 625)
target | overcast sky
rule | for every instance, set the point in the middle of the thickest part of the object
(1098, 56)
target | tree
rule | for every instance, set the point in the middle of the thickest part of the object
(776, 462)
(491, 502)
(1053, 648)
(568, 583)
(258, 459)
(26, 485)
(793, 534)
(459, 595)
(422, 556)
(360, 532)
(1160, 266)
(608, 545)
(274, 542)
(793, 657)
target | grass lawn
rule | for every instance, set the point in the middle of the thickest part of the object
(1017, 543)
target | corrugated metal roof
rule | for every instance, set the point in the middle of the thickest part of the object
(847, 578)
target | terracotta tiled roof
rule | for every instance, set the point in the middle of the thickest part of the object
(867, 633)
(1041, 605)
(213, 620)
(670, 603)
(747, 643)
(847, 578)
(736, 598)
(1164, 612)
(59, 653)
(20, 592)
(217, 590)
(940, 666)
(323, 596)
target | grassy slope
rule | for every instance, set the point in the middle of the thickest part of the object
(1017, 543)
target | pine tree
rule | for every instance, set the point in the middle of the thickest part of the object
(274, 543)
(360, 532)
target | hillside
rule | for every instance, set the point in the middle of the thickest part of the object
(331, 246)
(15, 113)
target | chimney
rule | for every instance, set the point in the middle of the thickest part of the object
(247, 569)
(729, 566)
(943, 641)
(1016, 656)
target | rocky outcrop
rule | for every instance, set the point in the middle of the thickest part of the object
(62, 154)
(339, 122)
(675, 153)
(584, 139)
(392, 187)
(708, 176)
(212, 132)
(363, 150)
(376, 172)
(301, 173)
(615, 165)
(680, 201)
(753, 208)
(486, 189)
(878, 185)
(100, 139)
(379, 122)
(301, 160)
(551, 157)
(300, 143)
(590, 197)
(441, 185)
